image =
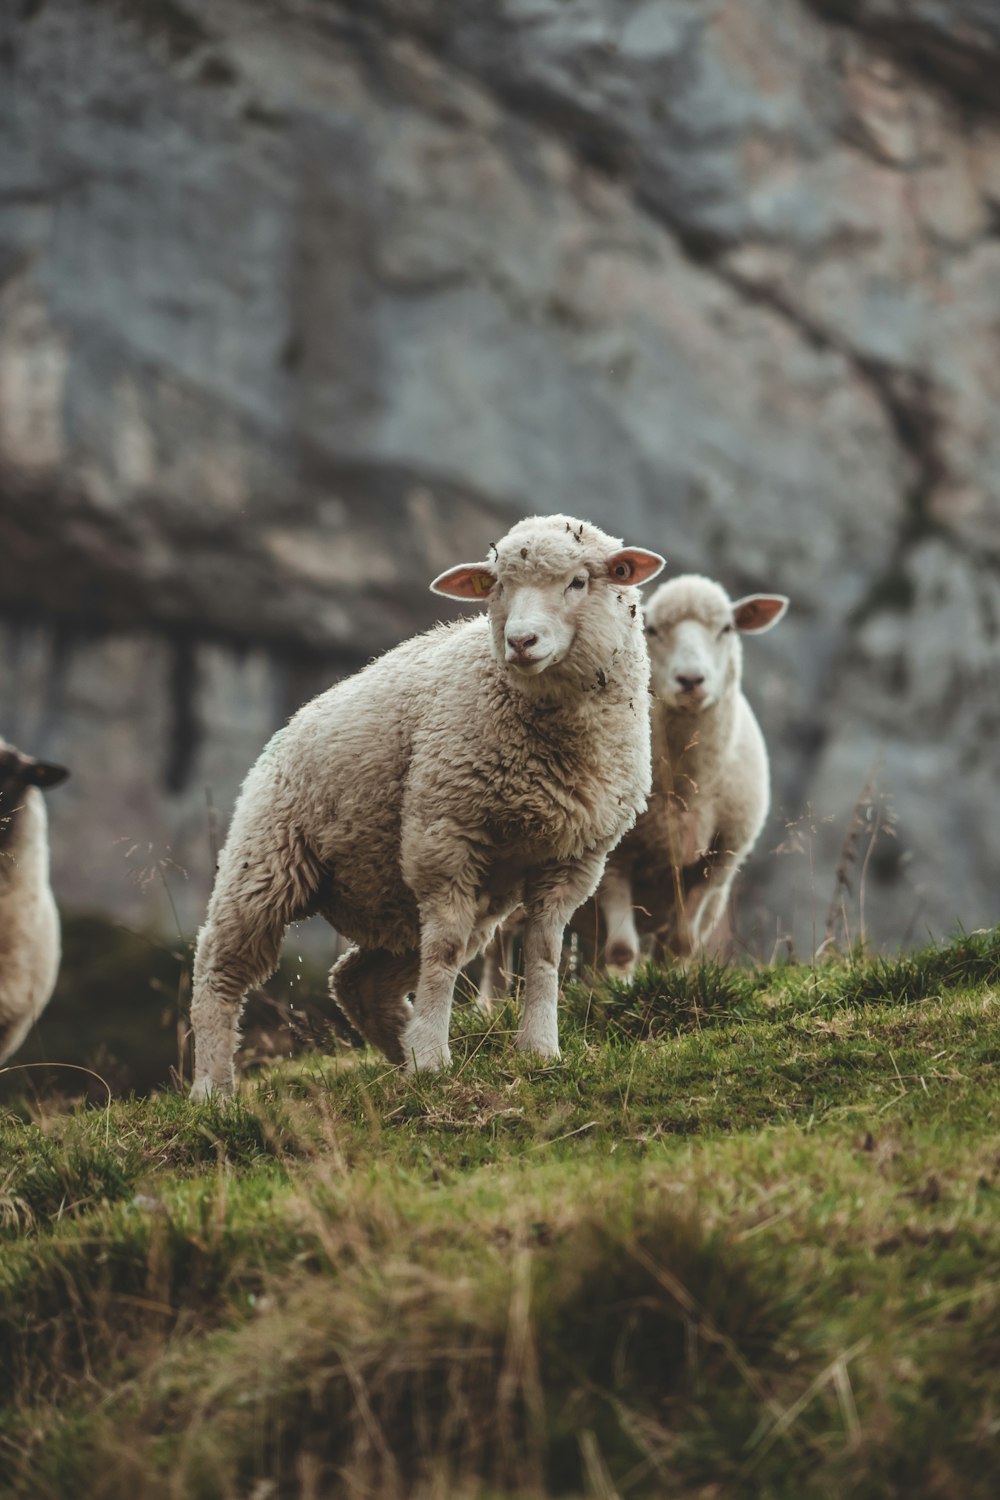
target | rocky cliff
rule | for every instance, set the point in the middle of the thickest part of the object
(301, 300)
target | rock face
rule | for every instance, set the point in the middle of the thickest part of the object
(302, 301)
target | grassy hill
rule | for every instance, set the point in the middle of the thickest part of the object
(743, 1240)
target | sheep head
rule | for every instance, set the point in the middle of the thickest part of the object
(560, 598)
(693, 632)
(18, 772)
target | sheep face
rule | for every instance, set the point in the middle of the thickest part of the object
(693, 632)
(560, 601)
(17, 774)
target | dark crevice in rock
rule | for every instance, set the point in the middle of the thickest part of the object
(179, 25)
(904, 396)
(60, 666)
(908, 399)
(768, 296)
(604, 146)
(62, 558)
(77, 627)
(595, 138)
(186, 731)
(956, 53)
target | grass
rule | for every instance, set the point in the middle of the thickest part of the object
(120, 1009)
(743, 1240)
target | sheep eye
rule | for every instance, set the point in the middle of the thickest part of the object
(650, 629)
(578, 583)
(726, 629)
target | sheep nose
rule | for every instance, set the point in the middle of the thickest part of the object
(688, 684)
(522, 643)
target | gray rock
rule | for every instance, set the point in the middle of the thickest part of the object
(301, 303)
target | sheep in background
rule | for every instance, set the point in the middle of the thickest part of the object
(488, 763)
(29, 921)
(673, 873)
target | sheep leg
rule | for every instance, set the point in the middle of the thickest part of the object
(13, 1033)
(236, 950)
(713, 904)
(703, 906)
(493, 984)
(549, 908)
(621, 947)
(268, 878)
(445, 941)
(370, 986)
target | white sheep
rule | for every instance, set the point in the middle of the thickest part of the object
(488, 763)
(673, 873)
(29, 921)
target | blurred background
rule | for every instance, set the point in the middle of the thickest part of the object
(302, 301)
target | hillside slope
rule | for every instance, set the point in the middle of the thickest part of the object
(741, 1241)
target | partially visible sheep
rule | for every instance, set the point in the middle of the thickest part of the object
(29, 921)
(673, 873)
(488, 763)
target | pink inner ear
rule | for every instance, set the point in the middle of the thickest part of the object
(634, 565)
(470, 581)
(758, 612)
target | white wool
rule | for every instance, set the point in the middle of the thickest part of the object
(673, 873)
(488, 763)
(29, 921)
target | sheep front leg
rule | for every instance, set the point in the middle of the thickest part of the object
(493, 984)
(713, 905)
(445, 934)
(703, 906)
(549, 907)
(614, 897)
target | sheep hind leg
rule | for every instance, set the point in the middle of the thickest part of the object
(236, 950)
(13, 1033)
(370, 986)
(493, 986)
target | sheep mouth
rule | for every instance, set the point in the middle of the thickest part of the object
(687, 700)
(528, 664)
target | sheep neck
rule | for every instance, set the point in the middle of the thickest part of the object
(12, 801)
(22, 814)
(692, 741)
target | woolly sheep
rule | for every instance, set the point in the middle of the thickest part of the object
(29, 921)
(487, 763)
(710, 793)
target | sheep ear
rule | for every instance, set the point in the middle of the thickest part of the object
(43, 773)
(634, 565)
(468, 581)
(758, 612)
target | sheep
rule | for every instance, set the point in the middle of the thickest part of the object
(711, 792)
(29, 921)
(487, 763)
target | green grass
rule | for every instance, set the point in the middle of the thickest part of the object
(743, 1240)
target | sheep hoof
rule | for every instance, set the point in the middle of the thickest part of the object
(621, 959)
(542, 1050)
(203, 1089)
(425, 1051)
(429, 1060)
